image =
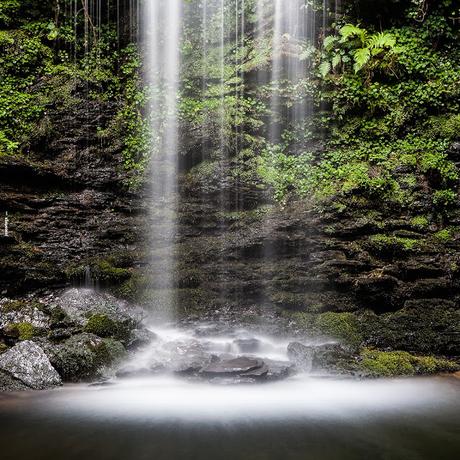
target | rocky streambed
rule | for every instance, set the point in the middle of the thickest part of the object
(84, 335)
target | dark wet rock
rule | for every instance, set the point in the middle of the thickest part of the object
(85, 356)
(279, 370)
(193, 364)
(10, 334)
(58, 335)
(236, 366)
(227, 381)
(247, 345)
(28, 363)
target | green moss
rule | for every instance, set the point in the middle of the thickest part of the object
(108, 352)
(443, 236)
(106, 272)
(391, 243)
(444, 198)
(102, 326)
(14, 306)
(420, 222)
(341, 326)
(3, 348)
(399, 363)
(27, 331)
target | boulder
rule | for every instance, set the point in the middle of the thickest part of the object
(85, 356)
(9, 383)
(28, 363)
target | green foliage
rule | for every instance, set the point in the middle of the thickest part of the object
(356, 47)
(445, 198)
(394, 107)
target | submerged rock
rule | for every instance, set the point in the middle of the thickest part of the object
(28, 363)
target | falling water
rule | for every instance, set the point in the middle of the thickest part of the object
(161, 28)
(289, 32)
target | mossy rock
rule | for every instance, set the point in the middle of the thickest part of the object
(14, 306)
(401, 363)
(3, 348)
(27, 331)
(85, 357)
(343, 327)
(390, 244)
(103, 326)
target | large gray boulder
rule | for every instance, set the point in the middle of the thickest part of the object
(27, 363)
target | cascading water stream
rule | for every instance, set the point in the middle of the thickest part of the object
(161, 30)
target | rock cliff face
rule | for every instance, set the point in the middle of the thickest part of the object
(66, 203)
(69, 209)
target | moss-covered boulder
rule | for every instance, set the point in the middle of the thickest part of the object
(85, 357)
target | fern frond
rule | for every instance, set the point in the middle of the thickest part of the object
(324, 68)
(349, 31)
(361, 57)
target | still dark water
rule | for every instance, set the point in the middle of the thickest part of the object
(303, 418)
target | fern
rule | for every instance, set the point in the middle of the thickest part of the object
(350, 31)
(324, 68)
(381, 40)
(329, 42)
(361, 56)
(336, 60)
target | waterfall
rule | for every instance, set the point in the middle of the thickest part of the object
(220, 32)
(161, 34)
